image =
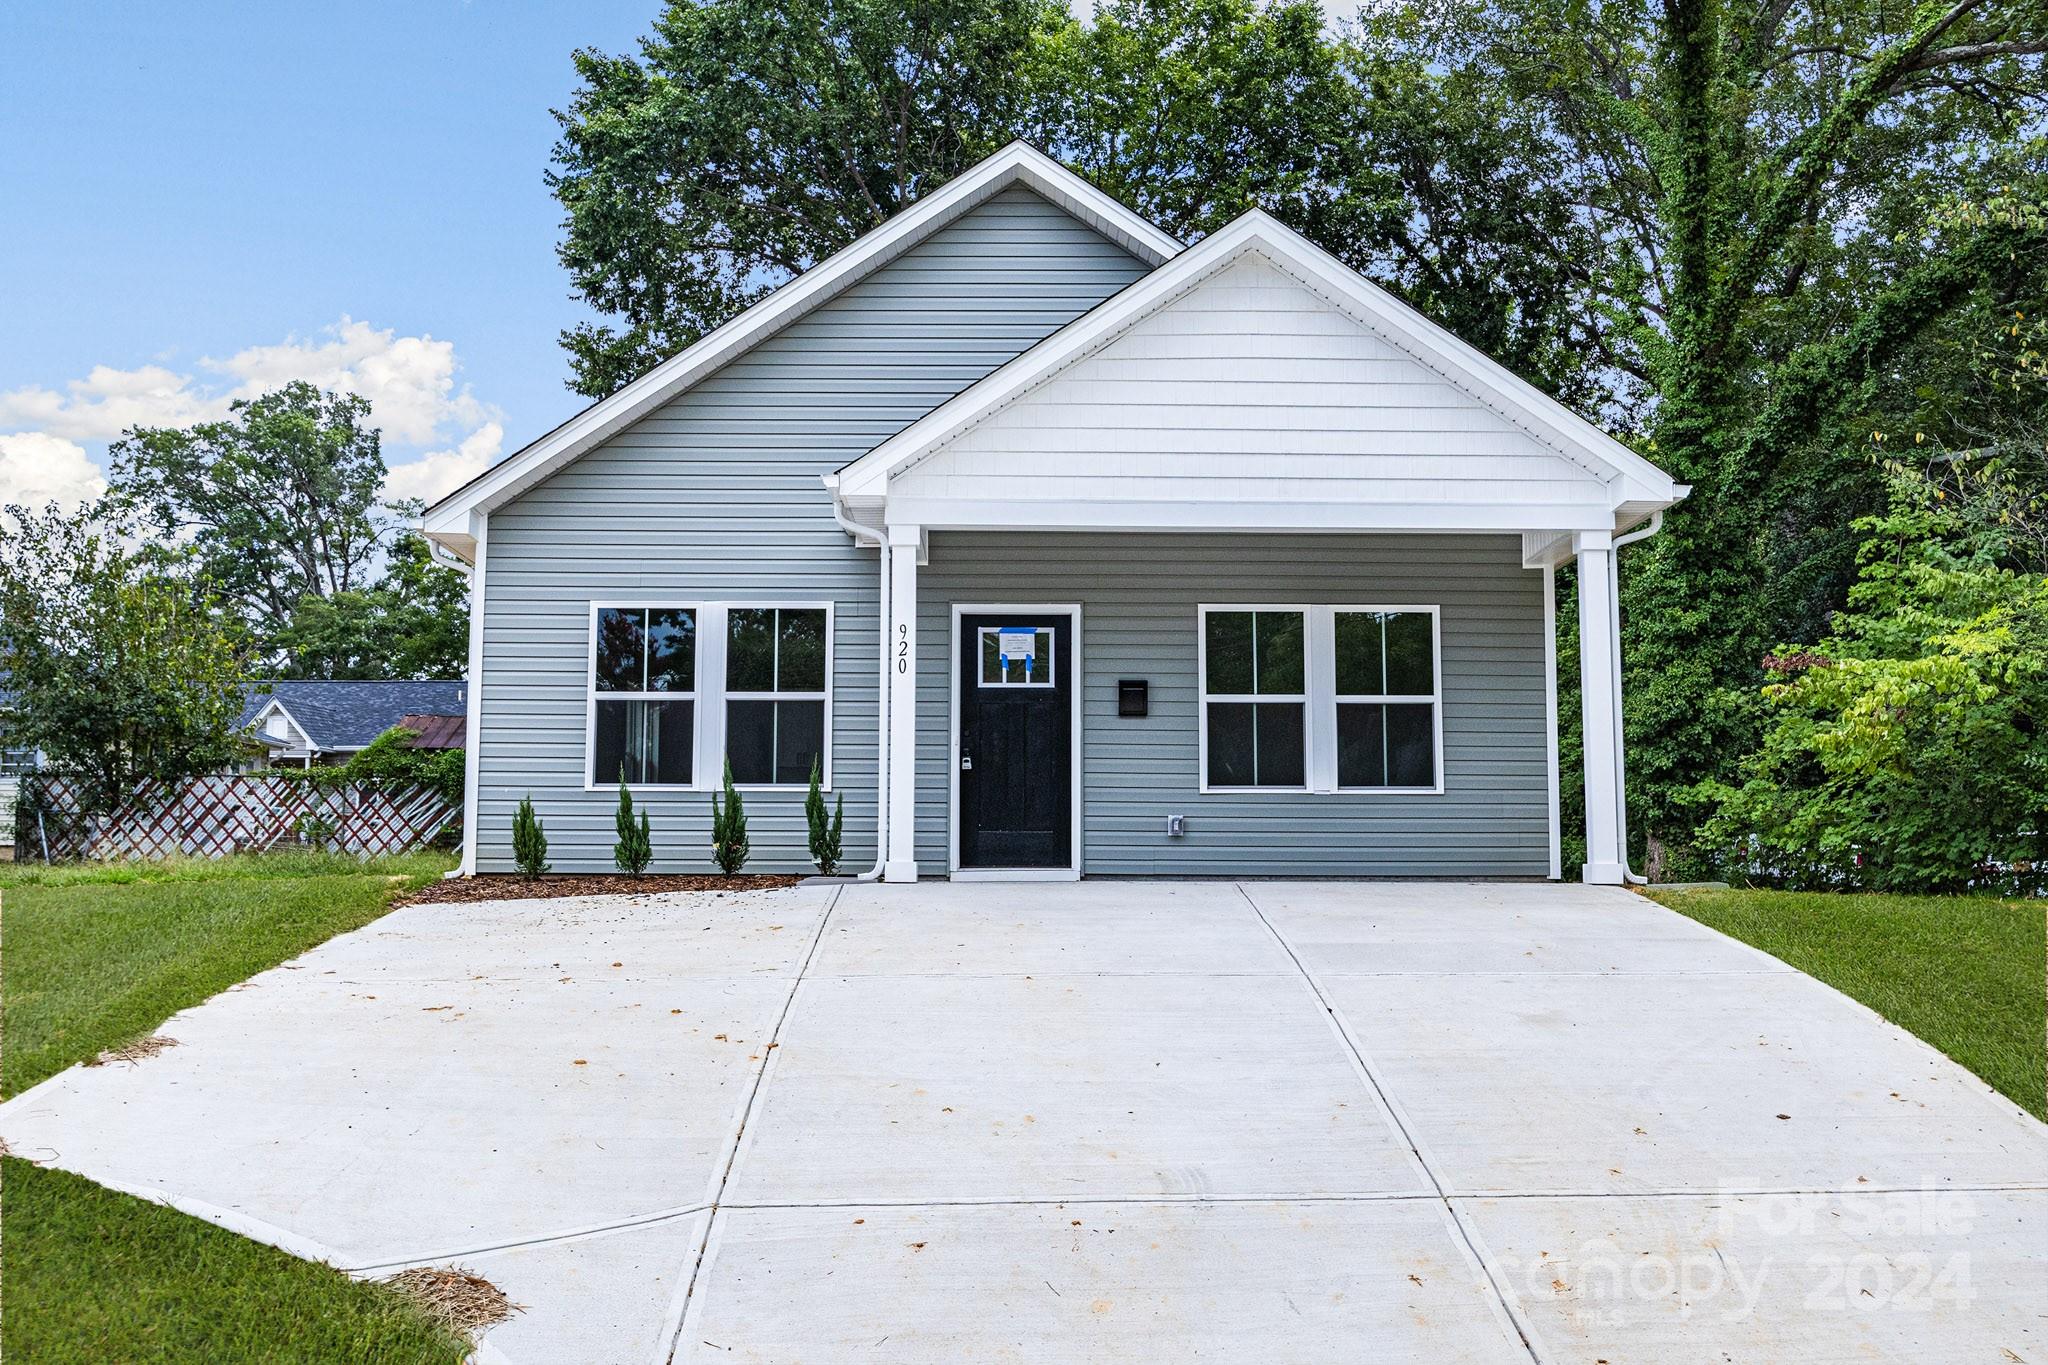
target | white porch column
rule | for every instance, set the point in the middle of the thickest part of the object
(901, 863)
(1600, 702)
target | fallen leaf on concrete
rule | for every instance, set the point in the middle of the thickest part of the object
(136, 1051)
(581, 1062)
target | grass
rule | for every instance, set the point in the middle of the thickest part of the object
(97, 1276)
(1963, 973)
(96, 957)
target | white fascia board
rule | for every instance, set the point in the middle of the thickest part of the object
(276, 704)
(1017, 164)
(1166, 514)
(1625, 475)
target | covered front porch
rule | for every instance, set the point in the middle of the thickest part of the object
(1292, 548)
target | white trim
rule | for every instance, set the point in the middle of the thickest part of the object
(1550, 758)
(473, 734)
(1077, 683)
(1320, 698)
(709, 696)
(1017, 164)
(1053, 513)
(901, 613)
(1622, 475)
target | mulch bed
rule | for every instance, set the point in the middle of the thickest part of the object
(510, 886)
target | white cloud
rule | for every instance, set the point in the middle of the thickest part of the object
(37, 468)
(440, 472)
(410, 382)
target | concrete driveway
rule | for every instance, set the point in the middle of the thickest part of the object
(1105, 1121)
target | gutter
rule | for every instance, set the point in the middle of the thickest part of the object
(863, 535)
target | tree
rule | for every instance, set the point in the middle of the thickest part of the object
(280, 508)
(529, 840)
(729, 848)
(750, 139)
(122, 669)
(412, 623)
(635, 848)
(827, 831)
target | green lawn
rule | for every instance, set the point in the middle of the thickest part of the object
(1965, 974)
(96, 957)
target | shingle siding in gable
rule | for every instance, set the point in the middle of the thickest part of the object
(717, 496)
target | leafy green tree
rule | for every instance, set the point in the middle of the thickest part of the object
(729, 847)
(529, 840)
(1908, 751)
(635, 848)
(413, 622)
(390, 758)
(122, 669)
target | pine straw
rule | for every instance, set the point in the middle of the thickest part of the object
(510, 886)
(468, 1303)
(141, 1049)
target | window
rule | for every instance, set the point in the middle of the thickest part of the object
(1016, 656)
(1386, 699)
(1321, 699)
(775, 671)
(1254, 698)
(644, 696)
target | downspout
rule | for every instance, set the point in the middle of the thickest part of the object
(1620, 754)
(860, 533)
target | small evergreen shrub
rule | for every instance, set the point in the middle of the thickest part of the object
(635, 849)
(529, 841)
(825, 841)
(729, 828)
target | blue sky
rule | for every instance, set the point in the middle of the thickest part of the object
(206, 199)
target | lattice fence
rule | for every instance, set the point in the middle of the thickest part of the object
(208, 817)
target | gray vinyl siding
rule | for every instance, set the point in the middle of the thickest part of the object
(1139, 595)
(716, 497)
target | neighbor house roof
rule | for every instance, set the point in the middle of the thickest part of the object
(435, 732)
(349, 714)
(448, 522)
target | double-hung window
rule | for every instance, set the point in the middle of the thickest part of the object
(1254, 697)
(643, 696)
(775, 690)
(1321, 699)
(745, 683)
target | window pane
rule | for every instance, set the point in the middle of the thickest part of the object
(1411, 746)
(1358, 653)
(799, 740)
(991, 658)
(750, 651)
(1278, 739)
(1361, 745)
(1230, 743)
(802, 664)
(1229, 646)
(650, 740)
(1279, 652)
(621, 649)
(750, 740)
(671, 650)
(1411, 667)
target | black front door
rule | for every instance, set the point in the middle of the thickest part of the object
(1016, 724)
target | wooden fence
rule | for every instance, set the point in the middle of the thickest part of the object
(209, 817)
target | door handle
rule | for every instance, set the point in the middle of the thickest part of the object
(966, 763)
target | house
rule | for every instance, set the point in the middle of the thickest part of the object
(1061, 548)
(314, 722)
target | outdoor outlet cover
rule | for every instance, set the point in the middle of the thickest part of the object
(1176, 825)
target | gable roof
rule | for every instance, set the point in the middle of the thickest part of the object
(347, 714)
(1633, 482)
(448, 522)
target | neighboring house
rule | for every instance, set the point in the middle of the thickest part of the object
(1211, 560)
(15, 760)
(310, 723)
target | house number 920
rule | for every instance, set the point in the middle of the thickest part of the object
(903, 648)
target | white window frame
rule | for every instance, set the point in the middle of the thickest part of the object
(709, 696)
(1304, 698)
(1434, 698)
(725, 610)
(1046, 676)
(1319, 722)
(592, 695)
